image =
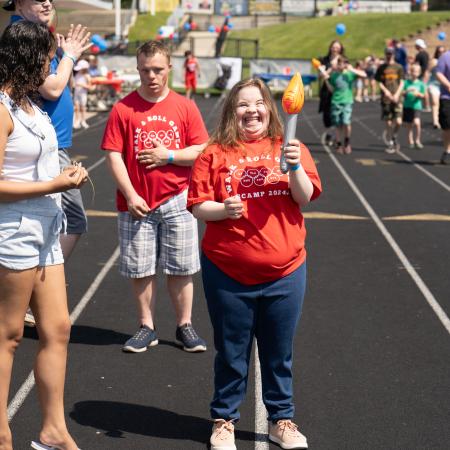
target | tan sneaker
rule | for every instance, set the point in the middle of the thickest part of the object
(222, 437)
(285, 433)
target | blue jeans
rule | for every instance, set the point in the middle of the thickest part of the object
(268, 312)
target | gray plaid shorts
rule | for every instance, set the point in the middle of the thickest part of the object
(167, 238)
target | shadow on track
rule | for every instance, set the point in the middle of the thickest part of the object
(117, 418)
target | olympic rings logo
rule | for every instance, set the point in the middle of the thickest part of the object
(258, 177)
(163, 137)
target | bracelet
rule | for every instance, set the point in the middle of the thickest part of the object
(70, 57)
(171, 156)
(294, 168)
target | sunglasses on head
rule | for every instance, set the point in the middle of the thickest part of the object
(43, 1)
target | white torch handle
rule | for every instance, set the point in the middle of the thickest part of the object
(290, 126)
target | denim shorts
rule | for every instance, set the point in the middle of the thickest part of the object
(29, 233)
(72, 202)
(167, 238)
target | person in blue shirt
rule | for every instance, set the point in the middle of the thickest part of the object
(58, 105)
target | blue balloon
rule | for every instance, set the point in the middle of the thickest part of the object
(211, 28)
(230, 26)
(442, 36)
(97, 40)
(187, 26)
(340, 29)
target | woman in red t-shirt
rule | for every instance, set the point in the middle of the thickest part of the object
(253, 261)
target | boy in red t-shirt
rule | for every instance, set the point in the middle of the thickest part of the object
(152, 137)
(191, 72)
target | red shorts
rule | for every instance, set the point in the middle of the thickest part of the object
(190, 80)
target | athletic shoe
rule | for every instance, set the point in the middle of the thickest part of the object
(189, 339)
(340, 150)
(348, 149)
(84, 125)
(395, 143)
(143, 338)
(444, 157)
(29, 319)
(412, 146)
(390, 148)
(285, 433)
(419, 145)
(76, 126)
(222, 436)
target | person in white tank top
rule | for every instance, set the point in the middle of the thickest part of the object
(31, 218)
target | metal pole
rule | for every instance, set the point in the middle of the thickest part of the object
(118, 30)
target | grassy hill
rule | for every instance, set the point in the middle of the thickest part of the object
(365, 34)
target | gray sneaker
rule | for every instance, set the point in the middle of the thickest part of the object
(144, 337)
(189, 339)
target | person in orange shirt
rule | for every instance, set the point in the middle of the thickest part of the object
(191, 72)
(253, 255)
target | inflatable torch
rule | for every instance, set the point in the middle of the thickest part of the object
(318, 65)
(292, 103)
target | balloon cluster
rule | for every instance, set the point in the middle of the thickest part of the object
(100, 44)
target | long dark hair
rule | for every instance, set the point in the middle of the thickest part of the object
(25, 48)
(227, 133)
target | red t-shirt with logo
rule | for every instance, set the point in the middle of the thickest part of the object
(133, 123)
(268, 242)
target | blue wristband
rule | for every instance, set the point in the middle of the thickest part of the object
(294, 168)
(70, 57)
(171, 156)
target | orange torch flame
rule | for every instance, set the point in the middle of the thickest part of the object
(316, 63)
(294, 95)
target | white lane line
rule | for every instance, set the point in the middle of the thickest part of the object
(96, 164)
(29, 383)
(405, 157)
(429, 297)
(261, 426)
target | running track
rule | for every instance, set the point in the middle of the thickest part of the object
(372, 356)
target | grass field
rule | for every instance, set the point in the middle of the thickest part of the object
(365, 34)
(146, 26)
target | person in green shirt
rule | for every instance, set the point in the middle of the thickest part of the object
(414, 91)
(340, 83)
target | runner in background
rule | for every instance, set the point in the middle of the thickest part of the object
(414, 93)
(191, 72)
(434, 86)
(340, 83)
(329, 60)
(390, 77)
(443, 75)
